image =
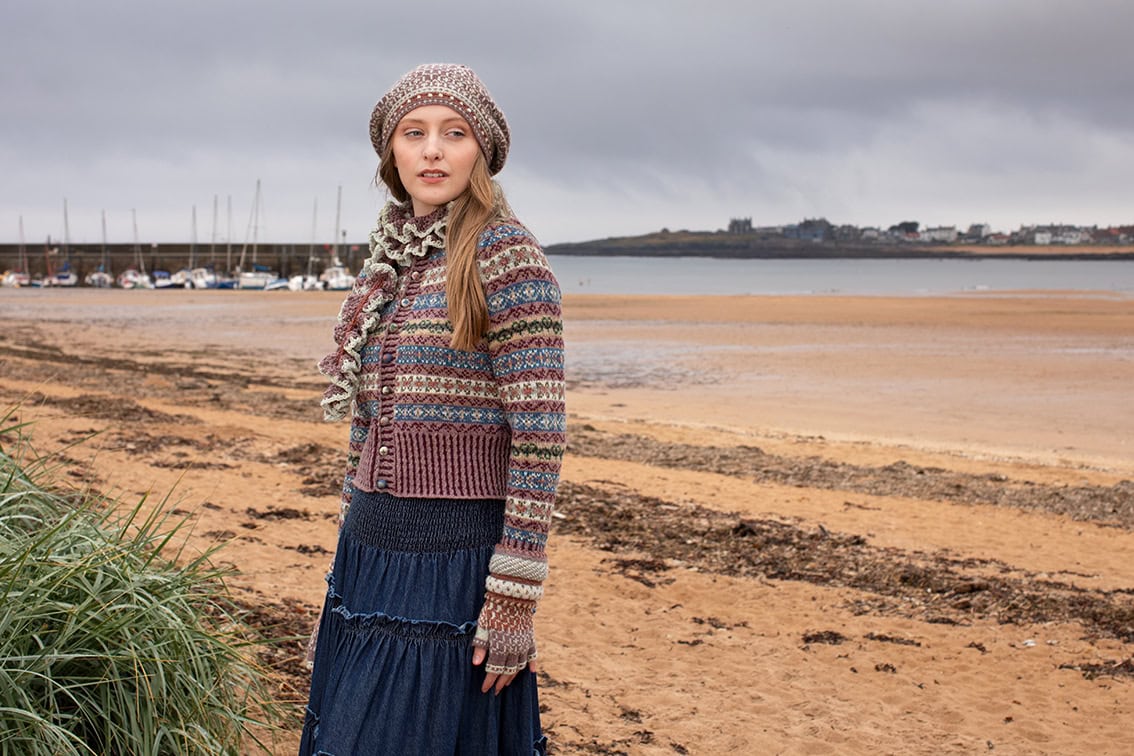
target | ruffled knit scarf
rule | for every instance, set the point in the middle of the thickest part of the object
(397, 239)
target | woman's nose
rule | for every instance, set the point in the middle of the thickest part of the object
(433, 148)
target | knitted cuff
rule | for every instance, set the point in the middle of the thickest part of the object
(506, 631)
(514, 589)
(518, 566)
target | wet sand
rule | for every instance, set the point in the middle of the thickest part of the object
(799, 525)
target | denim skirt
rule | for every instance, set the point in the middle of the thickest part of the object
(393, 669)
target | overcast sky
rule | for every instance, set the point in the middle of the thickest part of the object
(627, 117)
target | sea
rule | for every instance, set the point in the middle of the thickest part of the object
(890, 277)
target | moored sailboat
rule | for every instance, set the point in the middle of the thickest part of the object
(260, 277)
(101, 278)
(61, 275)
(19, 277)
(135, 277)
(336, 276)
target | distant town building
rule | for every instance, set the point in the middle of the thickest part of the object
(978, 231)
(740, 225)
(1113, 235)
(811, 229)
(904, 231)
(941, 234)
(1070, 235)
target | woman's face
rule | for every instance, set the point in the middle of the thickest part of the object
(434, 151)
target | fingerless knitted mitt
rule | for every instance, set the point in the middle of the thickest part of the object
(505, 629)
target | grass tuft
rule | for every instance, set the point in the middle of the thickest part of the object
(111, 640)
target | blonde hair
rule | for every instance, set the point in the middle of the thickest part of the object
(482, 202)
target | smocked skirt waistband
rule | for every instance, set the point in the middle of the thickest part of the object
(423, 525)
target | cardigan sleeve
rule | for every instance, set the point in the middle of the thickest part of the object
(525, 345)
(359, 429)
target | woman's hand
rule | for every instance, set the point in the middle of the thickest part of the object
(498, 681)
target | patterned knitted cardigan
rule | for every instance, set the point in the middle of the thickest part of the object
(431, 421)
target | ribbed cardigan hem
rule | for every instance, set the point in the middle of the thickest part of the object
(438, 466)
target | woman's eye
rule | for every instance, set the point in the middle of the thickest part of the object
(456, 132)
(413, 132)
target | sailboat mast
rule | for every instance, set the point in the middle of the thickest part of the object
(314, 234)
(255, 222)
(338, 218)
(105, 258)
(251, 227)
(228, 239)
(213, 238)
(66, 233)
(137, 246)
(23, 248)
(193, 242)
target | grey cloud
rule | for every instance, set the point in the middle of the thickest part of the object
(639, 111)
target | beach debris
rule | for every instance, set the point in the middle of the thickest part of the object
(935, 588)
(830, 637)
(881, 638)
(1123, 668)
(280, 513)
(1105, 504)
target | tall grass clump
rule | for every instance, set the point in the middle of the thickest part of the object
(112, 640)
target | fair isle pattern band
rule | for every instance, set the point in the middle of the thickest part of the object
(442, 356)
(429, 385)
(526, 390)
(528, 359)
(447, 413)
(527, 291)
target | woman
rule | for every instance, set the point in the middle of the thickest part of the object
(449, 360)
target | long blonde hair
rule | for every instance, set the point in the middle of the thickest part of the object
(481, 202)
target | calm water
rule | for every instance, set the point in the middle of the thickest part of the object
(693, 275)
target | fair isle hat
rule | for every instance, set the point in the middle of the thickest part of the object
(454, 86)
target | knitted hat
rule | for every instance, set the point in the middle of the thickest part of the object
(454, 86)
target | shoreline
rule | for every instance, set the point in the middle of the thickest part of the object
(982, 375)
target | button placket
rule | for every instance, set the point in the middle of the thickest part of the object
(387, 374)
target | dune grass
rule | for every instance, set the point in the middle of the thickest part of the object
(113, 640)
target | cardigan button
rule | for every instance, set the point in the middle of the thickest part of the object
(387, 358)
(405, 302)
(386, 389)
(383, 450)
(382, 483)
(416, 275)
(384, 420)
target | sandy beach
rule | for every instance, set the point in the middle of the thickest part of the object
(786, 525)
